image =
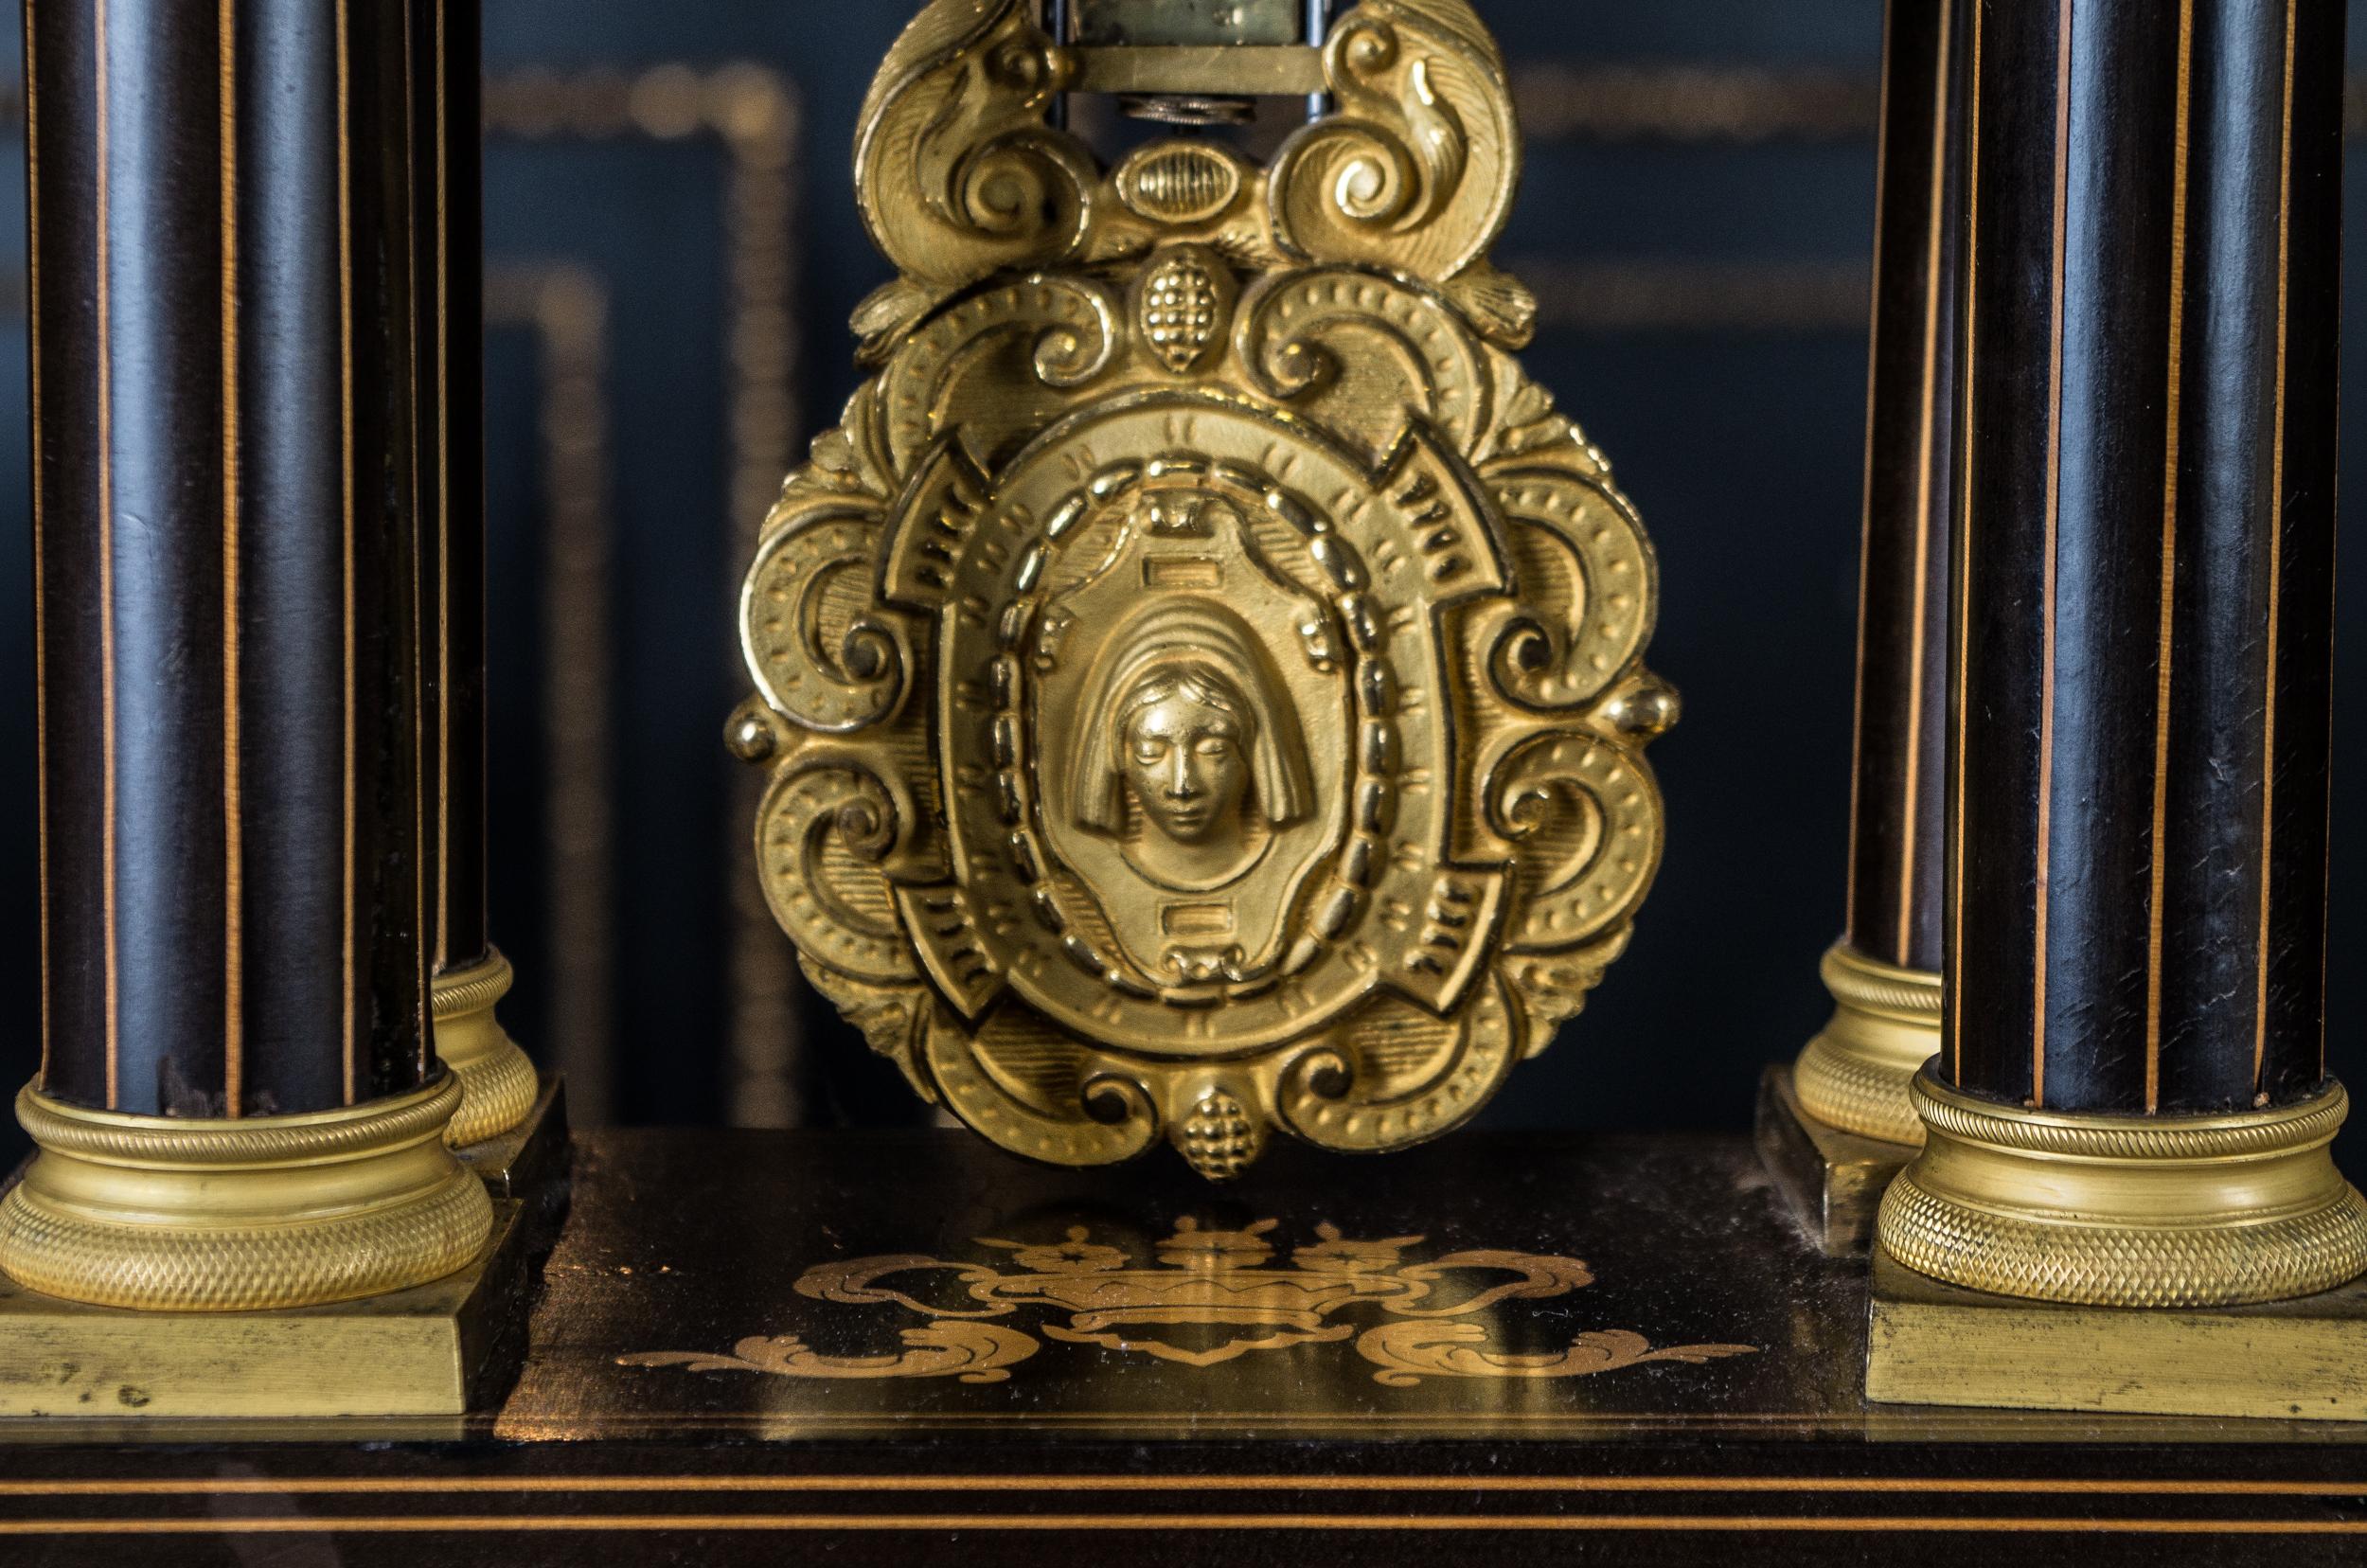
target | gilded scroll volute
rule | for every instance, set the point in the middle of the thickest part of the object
(1201, 679)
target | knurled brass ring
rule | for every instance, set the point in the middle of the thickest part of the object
(1886, 1024)
(238, 1216)
(473, 990)
(1869, 984)
(2121, 1211)
(500, 1081)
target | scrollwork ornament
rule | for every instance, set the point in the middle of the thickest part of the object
(1201, 679)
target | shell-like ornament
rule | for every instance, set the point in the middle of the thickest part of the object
(1186, 305)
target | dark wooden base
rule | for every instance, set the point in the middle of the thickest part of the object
(1832, 1181)
(716, 1375)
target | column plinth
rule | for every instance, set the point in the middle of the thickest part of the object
(2131, 1107)
(1837, 1124)
(239, 1105)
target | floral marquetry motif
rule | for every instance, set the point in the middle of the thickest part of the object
(1201, 679)
(1201, 1299)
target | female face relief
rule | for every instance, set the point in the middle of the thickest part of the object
(1184, 753)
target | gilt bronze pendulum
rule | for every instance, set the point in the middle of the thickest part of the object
(1202, 680)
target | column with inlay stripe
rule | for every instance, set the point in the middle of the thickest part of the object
(471, 976)
(1842, 1124)
(2131, 1107)
(239, 1102)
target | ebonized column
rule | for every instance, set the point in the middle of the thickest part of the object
(239, 1105)
(470, 977)
(449, 266)
(236, 897)
(1899, 782)
(2147, 559)
(1853, 1078)
(2132, 1108)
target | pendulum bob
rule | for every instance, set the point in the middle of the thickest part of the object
(1201, 683)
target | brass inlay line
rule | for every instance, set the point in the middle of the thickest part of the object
(2156, 913)
(2053, 510)
(764, 126)
(1929, 436)
(1960, 592)
(628, 1485)
(1456, 1524)
(513, 1427)
(345, 329)
(41, 620)
(234, 893)
(443, 513)
(424, 954)
(1865, 515)
(107, 574)
(2276, 584)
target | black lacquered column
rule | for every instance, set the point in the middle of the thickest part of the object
(470, 976)
(452, 412)
(1898, 797)
(2138, 839)
(236, 618)
(1884, 976)
(230, 570)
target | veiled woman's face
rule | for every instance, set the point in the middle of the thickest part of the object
(1184, 763)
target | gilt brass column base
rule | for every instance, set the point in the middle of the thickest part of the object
(2127, 1211)
(1886, 1024)
(444, 1349)
(1831, 1180)
(500, 1081)
(184, 1215)
(1930, 1343)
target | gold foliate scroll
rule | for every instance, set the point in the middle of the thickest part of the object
(1201, 679)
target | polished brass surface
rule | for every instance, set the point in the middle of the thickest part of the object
(1932, 1344)
(1854, 1076)
(1832, 1181)
(497, 1082)
(436, 1349)
(1254, 71)
(1223, 22)
(190, 1215)
(2127, 1211)
(1200, 683)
